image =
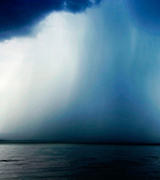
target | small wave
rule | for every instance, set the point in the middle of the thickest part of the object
(9, 160)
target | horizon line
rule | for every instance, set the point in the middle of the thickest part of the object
(70, 142)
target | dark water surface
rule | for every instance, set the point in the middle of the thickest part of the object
(78, 162)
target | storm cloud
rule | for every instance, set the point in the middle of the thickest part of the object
(17, 17)
(89, 74)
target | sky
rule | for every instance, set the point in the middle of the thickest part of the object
(80, 70)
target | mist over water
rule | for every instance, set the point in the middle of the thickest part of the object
(83, 77)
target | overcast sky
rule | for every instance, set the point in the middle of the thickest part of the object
(80, 70)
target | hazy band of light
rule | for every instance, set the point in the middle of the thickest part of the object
(38, 74)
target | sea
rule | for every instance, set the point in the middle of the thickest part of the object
(79, 162)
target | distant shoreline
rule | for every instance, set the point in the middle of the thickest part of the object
(76, 143)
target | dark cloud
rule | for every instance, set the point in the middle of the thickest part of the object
(78, 5)
(18, 17)
(146, 13)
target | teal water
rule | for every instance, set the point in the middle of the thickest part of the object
(78, 162)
